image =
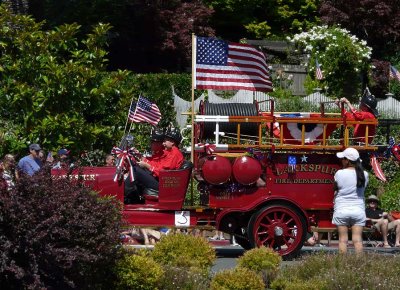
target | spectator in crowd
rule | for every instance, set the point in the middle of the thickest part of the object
(349, 207)
(42, 156)
(318, 238)
(380, 220)
(150, 236)
(165, 156)
(9, 172)
(367, 111)
(63, 159)
(110, 160)
(31, 163)
(218, 236)
(311, 241)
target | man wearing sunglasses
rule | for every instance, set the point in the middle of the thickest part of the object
(382, 221)
(30, 163)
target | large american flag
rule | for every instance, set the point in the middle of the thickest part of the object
(232, 66)
(144, 111)
(394, 73)
(318, 71)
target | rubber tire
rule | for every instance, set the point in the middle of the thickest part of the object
(263, 223)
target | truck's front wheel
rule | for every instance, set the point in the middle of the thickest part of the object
(280, 227)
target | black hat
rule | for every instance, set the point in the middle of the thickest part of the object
(370, 101)
(174, 134)
(157, 135)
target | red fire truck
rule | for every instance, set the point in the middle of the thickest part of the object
(264, 177)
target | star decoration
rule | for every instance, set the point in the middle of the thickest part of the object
(304, 159)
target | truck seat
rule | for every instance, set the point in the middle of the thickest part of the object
(152, 195)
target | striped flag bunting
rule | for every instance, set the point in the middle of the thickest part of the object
(377, 168)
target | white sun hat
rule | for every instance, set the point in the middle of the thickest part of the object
(349, 153)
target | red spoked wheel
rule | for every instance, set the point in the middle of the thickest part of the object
(280, 227)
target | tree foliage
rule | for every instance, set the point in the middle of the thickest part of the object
(56, 235)
(342, 56)
(262, 18)
(147, 36)
(377, 22)
(53, 88)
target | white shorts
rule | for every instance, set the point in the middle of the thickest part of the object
(349, 216)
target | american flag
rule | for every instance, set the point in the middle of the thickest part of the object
(291, 163)
(318, 71)
(144, 111)
(394, 73)
(232, 66)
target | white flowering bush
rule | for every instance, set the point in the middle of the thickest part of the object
(343, 58)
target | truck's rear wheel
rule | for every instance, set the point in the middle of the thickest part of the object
(280, 227)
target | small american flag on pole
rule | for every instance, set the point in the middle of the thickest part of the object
(394, 73)
(318, 71)
(144, 111)
(229, 66)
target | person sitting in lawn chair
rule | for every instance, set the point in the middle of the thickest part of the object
(382, 221)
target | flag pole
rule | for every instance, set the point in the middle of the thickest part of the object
(192, 121)
(193, 85)
(127, 119)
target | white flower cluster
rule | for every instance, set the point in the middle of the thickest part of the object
(321, 39)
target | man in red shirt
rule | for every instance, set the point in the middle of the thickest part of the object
(367, 111)
(171, 158)
(165, 156)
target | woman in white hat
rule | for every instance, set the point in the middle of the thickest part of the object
(349, 206)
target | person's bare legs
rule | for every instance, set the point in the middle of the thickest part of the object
(356, 236)
(382, 226)
(396, 225)
(343, 239)
(145, 236)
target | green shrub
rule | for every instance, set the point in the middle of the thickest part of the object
(368, 271)
(261, 260)
(176, 278)
(237, 279)
(138, 272)
(390, 199)
(184, 251)
(56, 235)
(313, 284)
